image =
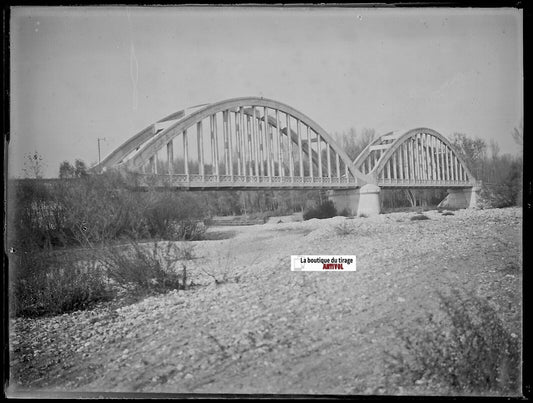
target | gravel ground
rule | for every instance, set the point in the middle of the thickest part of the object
(253, 326)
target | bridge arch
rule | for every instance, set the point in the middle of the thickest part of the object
(117, 156)
(420, 157)
(240, 140)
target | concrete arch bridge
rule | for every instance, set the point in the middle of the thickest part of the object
(258, 143)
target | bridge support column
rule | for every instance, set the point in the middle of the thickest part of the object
(461, 198)
(363, 201)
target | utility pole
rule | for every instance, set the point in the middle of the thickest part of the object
(99, 147)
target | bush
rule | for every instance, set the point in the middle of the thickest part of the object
(188, 230)
(44, 283)
(324, 210)
(89, 211)
(48, 283)
(175, 216)
(419, 217)
(34, 220)
(64, 213)
(344, 229)
(146, 268)
(101, 208)
(468, 351)
(500, 195)
(96, 209)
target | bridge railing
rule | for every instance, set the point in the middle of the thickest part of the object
(221, 181)
(393, 182)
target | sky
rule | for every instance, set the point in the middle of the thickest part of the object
(82, 73)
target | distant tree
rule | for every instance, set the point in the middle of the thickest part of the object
(33, 165)
(353, 143)
(66, 170)
(500, 174)
(494, 149)
(473, 151)
(80, 168)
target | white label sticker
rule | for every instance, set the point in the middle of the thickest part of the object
(323, 263)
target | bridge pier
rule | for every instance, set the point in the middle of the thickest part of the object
(362, 201)
(461, 198)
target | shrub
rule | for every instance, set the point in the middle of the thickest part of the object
(189, 230)
(33, 217)
(225, 265)
(146, 268)
(89, 211)
(97, 208)
(344, 229)
(468, 351)
(44, 283)
(175, 216)
(499, 195)
(419, 217)
(100, 208)
(324, 210)
(48, 283)
(62, 213)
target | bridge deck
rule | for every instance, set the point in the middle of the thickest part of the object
(419, 183)
(236, 182)
(193, 181)
(207, 182)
